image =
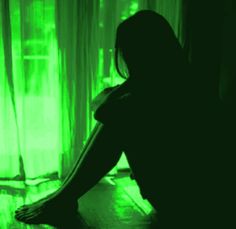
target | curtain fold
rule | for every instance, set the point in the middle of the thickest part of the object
(8, 87)
(78, 51)
(29, 90)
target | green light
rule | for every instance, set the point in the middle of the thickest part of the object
(100, 71)
(36, 92)
(115, 79)
(45, 76)
(133, 8)
(101, 3)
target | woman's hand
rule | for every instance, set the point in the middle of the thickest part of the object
(102, 96)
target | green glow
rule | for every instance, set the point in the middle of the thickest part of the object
(131, 192)
(101, 3)
(99, 86)
(133, 7)
(116, 79)
(36, 88)
(43, 118)
(55, 77)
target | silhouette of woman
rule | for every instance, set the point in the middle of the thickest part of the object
(156, 118)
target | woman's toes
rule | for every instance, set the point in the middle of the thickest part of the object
(30, 217)
(27, 215)
(18, 214)
(21, 209)
(42, 211)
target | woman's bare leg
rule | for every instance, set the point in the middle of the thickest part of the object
(100, 155)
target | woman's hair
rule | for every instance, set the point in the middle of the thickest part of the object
(148, 45)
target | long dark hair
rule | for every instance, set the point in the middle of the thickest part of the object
(150, 49)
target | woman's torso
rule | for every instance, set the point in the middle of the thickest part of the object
(180, 150)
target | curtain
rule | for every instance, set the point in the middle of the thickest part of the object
(55, 57)
(29, 90)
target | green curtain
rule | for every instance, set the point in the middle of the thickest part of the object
(29, 90)
(55, 57)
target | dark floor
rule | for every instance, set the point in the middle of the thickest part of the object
(115, 203)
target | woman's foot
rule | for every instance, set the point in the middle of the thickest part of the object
(46, 210)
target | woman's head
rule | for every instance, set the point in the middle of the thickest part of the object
(148, 45)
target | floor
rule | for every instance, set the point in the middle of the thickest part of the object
(114, 203)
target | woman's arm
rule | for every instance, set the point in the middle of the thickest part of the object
(102, 97)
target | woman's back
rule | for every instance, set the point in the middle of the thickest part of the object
(179, 151)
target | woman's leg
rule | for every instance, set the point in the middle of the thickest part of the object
(100, 155)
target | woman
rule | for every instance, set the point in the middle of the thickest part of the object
(156, 117)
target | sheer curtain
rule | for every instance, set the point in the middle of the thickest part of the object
(55, 56)
(29, 90)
